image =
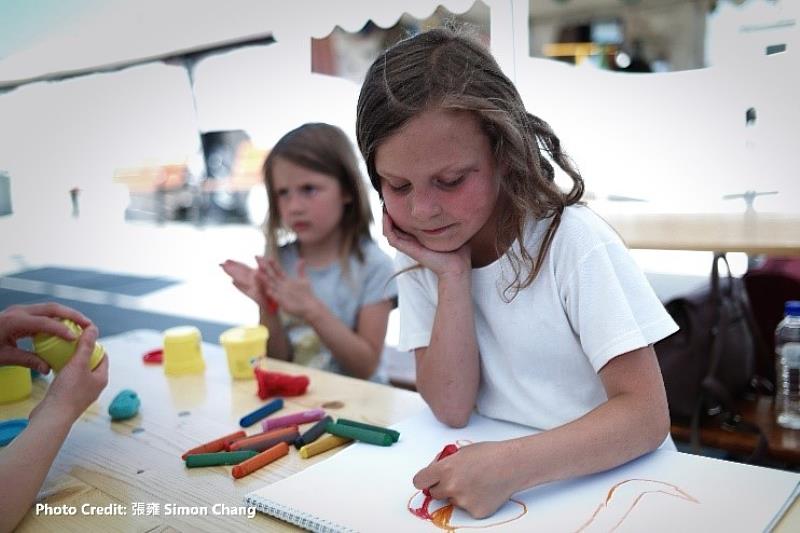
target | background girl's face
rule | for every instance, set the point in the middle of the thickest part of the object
(310, 203)
(438, 180)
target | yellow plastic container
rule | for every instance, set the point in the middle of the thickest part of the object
(15, 383)
(245, 346)
(182, 351)
(57, 351)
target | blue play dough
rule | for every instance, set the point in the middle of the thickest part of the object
(9, 429)
(125, 405)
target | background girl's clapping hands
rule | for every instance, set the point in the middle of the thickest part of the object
(292, 294)
(250, 281)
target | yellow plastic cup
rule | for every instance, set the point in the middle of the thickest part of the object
(245, 346)
(57, 351)
(182, 351)
(15, 383)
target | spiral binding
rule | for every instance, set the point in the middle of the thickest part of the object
(304, 520)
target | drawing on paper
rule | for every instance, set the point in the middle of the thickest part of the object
(623, 498)
(450, 518)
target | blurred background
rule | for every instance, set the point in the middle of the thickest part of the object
(132, 133)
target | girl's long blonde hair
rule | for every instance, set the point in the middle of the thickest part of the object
(326, 149)
(447, 70)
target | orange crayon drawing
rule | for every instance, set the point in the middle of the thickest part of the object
(442, 517)
(623, 498)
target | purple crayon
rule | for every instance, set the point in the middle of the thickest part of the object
(303, 417)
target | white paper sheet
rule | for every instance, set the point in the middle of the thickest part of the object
(368, 488)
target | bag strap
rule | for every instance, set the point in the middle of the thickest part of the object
(716, 286)
(711, 387)
(759, 383)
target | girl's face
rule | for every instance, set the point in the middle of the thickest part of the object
(439, 184)
(310, 203)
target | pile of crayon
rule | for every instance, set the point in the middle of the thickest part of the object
(249, 453)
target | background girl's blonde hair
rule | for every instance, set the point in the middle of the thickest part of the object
(326, 149)
(442, 69)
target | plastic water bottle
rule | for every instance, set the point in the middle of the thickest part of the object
(787, 354)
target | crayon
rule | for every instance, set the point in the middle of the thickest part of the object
(303, 417)
(313, 433)
(394, 434)
(215, 445)
(360, 434)
(261, 412)
(322, 445)
(449, 449)
(260, 460)
(219, 458)
(268, 439)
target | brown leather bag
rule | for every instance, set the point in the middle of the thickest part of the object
(711, 361)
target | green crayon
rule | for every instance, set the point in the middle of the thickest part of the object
(394, 434)
(219, 458)
(360, 434)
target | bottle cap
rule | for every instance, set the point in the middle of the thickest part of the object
(792, 308)
(57, 351)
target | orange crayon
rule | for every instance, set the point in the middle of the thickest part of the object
(261, 441)
(260, 460)
(217, 445)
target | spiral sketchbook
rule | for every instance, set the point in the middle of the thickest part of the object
(368, 488)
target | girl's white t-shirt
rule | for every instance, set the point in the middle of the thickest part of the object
(541, 352)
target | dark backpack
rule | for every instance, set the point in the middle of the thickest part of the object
(711, 361)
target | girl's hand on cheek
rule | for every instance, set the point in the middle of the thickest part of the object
(294, 295)
(443, 264)
(469, 479)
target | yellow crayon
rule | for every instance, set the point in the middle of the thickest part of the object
(322, 445)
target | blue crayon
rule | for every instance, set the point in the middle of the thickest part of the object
(261, 412)
(313, 433)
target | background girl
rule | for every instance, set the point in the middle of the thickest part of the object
(516, 299)
(330, 281)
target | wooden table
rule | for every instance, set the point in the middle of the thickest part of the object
(752, 233)
(138, 461)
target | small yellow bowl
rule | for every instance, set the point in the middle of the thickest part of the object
(245, 346)
(183, 352)
(15, 383)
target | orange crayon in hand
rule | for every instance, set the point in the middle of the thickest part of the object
(260, 460)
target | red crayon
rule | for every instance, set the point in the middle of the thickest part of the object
(217, 445)
(450, 449)
(263, 459)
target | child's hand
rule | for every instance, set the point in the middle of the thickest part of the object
(469, 479)
(443, 264)
(76, 386)
(21, 321)
(248, 280)
(294, 295)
